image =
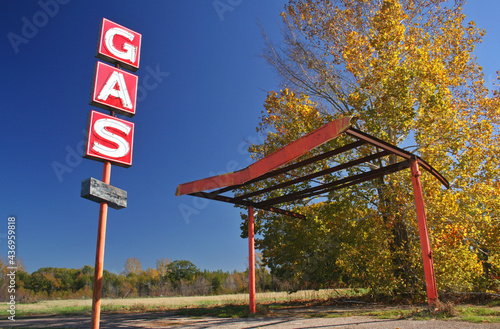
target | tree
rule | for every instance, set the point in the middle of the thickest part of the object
(263, 279)
(215, 278)
(406, 70)
(162, 266)
(111, 284)
(132, 266)
(182, 270)
(84, 278)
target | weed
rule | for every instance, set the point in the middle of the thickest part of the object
(443, 309)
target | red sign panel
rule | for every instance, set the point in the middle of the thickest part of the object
(114, 90)
(110, 139)
(117, 44)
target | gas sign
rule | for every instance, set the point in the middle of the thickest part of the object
(114, 90)
(110, 139)
(119, 45)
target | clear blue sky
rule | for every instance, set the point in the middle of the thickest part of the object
(192, 124)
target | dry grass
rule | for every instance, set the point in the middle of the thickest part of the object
(323, 303)
(54, 306)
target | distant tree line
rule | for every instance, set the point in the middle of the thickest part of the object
(169, 278)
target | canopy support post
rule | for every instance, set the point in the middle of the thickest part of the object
(251, 260)
(430, 279)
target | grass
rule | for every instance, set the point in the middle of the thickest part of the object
(325, 304)
(151, 304)
(219, 311)
(332, 314)
(479, 315)
(495, 303)
(469, 313)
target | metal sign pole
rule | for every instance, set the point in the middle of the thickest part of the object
(99, 254)
(99, 257)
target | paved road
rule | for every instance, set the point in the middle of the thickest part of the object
(167, 320)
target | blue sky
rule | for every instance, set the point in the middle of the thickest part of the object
(194, 122)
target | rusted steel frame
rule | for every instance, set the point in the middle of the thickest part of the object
(293, 166)
(316, 190)
(273, 161)
(379, 143)
(251, 261)
(247, 204)
(396, 150)
(433, 171)
(349, 181)
(359, 180)
(316, 174)
(425, 245)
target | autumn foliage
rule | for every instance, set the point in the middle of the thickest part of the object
(406, 70)
(168, 278)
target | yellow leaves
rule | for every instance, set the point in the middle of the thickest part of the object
(387, 21)
(357, 53)
(286, 117)
(406, 69)
(456, 264)
(451, 235)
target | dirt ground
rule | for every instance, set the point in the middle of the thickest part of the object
(304, 316)
(149, 320)
(290, 318)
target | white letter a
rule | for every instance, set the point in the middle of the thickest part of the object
(109, 90)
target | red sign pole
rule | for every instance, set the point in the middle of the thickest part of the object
(125, 50)
(425, 244)
(99, 257)
(251, 260)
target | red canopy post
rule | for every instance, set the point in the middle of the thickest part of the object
(251, 260)
(430, 279)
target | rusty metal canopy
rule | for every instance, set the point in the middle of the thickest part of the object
(281, 162)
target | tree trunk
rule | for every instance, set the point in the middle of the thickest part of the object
(399, 243)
